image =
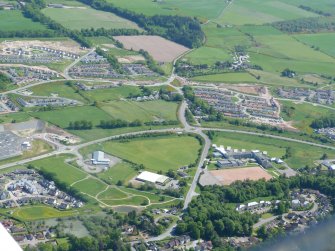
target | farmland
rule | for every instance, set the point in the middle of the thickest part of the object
(160, 49)
(158, 153)
(302, 155)
(198, 8)
(260, 12)
(15, 21)
(86, 17)
(321, 41)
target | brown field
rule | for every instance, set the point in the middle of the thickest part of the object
(161, 49)
(228, 176)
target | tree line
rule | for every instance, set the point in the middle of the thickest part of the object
(312, 25)
(111, 59)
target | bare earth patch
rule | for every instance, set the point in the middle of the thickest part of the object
(161, 49)
(131, 59)
(227, 176)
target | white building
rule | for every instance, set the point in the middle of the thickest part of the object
(155, 178)
(98, 158)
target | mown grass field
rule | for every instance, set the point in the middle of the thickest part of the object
(61, 88)
(62, 117)
(13, 20)
(323, 5)
(62, 171)
(32, 213)
(302, 154)
(157, 153)
(105, 95)
(86, 17)
(90, 186)
(144, 111)
(122, 171)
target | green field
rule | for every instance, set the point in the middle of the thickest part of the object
(40, 212)
(86, 17)
(103, 95)
(122, 171)
(158, 153)
(200, 8)
(90, 186)
(144, 111)
(62, 171)
(303, 114)
(62, 117)
(260, 12)
(111, 194)
(239, 77)
(301, 154)
(59, 88)
(320, 5)
(13, 20)
(322, 41)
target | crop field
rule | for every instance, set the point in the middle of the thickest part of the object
(86, 17)
(200, 8)
(144, 111)
(63, 171)
(228, 176)
(321, 41)
(158, 153)
(303, 114)
(302, 154)
(40, 212)
(162, 50)
(14, 20)
(260, 12)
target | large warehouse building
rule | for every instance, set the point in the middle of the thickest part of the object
(155, 178)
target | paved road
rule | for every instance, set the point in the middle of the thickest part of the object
(66, 70)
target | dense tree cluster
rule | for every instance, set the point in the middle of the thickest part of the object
(80, 125)
(28, 33)
(324, 122)
(4, 81)
(184, 30)
(210, 216)
(109, 32)
(311, 25)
